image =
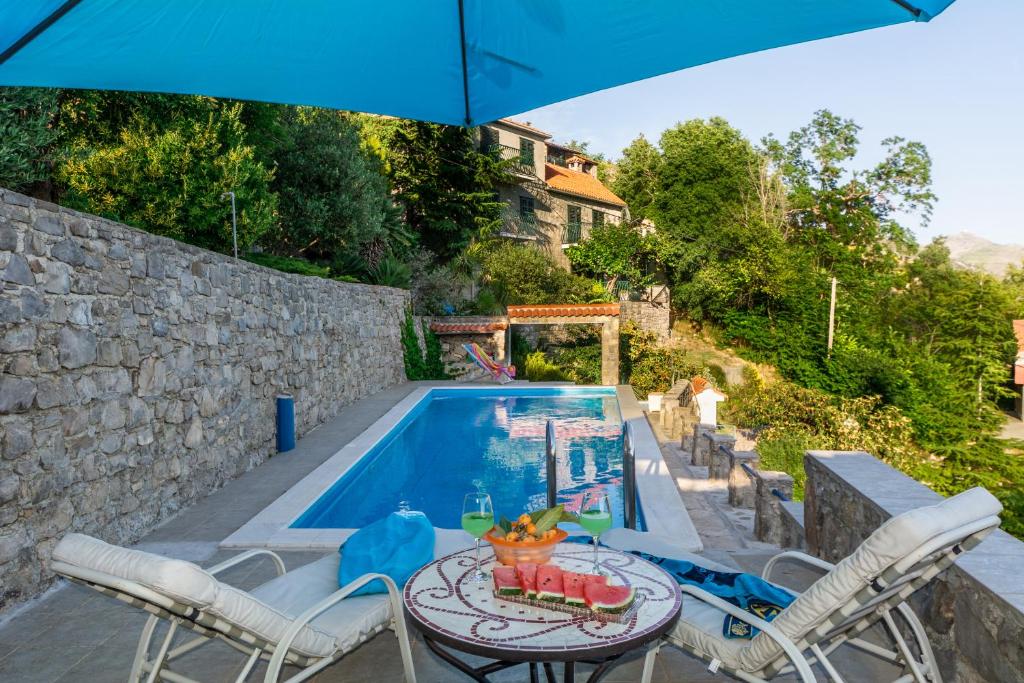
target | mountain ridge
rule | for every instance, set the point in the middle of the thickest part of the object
(974, 252)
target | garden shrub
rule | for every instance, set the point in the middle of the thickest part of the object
(412, 354)
(539, 369)
(287, 264)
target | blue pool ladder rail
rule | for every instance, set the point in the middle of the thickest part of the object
(628, 470)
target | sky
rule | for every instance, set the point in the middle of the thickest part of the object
(956, 84)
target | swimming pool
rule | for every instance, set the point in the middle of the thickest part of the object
(360, 479)
(463, 440)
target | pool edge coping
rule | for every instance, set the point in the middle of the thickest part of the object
(270, 528)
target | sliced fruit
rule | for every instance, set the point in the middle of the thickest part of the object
(609, 599)
(526, 572)
(596, 578)
(506, 582)
(572, 585)
(549, 583)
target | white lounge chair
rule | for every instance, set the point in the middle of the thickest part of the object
(299, 618)
(867, 588)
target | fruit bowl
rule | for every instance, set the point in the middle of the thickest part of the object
(511, 553)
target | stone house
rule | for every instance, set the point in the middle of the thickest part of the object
(1018, 370)
(556, 198)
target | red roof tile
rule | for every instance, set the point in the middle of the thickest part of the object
(580, 184)
(563, 310)
(467, 328)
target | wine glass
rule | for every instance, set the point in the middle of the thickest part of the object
(477, 520)
(596, 518)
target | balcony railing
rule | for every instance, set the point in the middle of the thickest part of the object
(518, 225)
(519, 164)
(574, 232)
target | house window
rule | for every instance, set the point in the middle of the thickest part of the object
(526, 152)
(598, 218)
(575, 215)
(488, 138)
(526, 210)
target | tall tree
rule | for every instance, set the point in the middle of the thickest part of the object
(162, 163)
(333, 196)
(446, 187)
(636, 177)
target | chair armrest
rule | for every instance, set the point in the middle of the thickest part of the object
(281, 648)
(248, 555)
(787, 645)
(797, 557)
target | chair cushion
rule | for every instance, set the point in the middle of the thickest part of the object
(349, 623)
(266, 612)
(894, 540)
(699, 630)
(182, 581)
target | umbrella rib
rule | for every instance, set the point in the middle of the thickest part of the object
(34, 32)
(916, 11)
(465, 76)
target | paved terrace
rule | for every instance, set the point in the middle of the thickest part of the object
(74, 634)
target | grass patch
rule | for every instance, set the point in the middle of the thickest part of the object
(786, 454)
(286, 264)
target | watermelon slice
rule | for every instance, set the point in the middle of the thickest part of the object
(506, 582)
(527, 573)
(549, 583)
(609, 599)
(599, 579)
(572, 584)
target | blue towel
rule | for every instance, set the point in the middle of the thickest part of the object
(395, 546)
(746, 591)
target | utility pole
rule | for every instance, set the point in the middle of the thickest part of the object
(832, 317)
(234, 227)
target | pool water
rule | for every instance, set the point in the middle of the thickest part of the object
(458, 441)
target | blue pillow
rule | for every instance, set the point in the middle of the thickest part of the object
(395, 546)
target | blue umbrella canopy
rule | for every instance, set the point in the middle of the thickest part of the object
(449, 61)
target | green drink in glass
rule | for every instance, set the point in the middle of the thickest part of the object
(595, 522)
(477, 524)
(477, 520)
(596, 518)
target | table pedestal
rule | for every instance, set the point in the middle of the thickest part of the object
(480, 673)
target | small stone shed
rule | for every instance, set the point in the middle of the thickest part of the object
(489, 332)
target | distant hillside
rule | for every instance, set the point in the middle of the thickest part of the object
(971, 251)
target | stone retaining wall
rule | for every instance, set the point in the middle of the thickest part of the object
(137, 374)
(974, 611)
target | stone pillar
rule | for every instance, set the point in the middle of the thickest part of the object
(699, 452)
(500, 346)
(768, 525)
(719, 455)
(610, 351)
(742, 489)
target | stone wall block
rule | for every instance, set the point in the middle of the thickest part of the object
(769, 525)
(719, 454)
(742, 486)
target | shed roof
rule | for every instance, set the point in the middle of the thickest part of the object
(467, 328)
(562, 310)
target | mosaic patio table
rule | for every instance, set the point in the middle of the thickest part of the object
(453, 613)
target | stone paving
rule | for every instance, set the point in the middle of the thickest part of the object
(73, 634)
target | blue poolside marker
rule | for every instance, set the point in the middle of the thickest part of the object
(285, 423)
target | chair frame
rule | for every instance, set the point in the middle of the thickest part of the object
(210, 627)
(878, 601)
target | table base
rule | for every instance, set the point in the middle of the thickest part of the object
(480, 673)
